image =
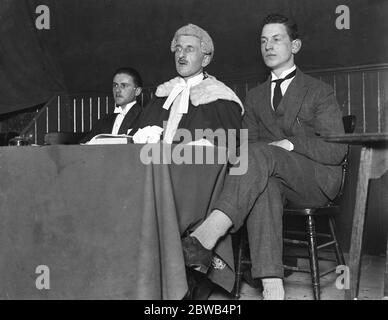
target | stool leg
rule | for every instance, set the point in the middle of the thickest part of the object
(338, 252)
(386, 274)
(237, 282)
(314, 267)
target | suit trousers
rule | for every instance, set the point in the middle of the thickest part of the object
(274, 176)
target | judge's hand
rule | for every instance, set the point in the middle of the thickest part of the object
(285, 144)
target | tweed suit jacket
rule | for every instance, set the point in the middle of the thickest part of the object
(307, 112)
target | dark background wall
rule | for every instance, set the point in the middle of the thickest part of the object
(91, 38)
(87, 40)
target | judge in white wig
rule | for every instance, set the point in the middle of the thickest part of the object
(193, 99)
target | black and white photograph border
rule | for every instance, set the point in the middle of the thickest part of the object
(106, 221)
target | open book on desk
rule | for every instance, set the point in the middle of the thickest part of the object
(107, 138)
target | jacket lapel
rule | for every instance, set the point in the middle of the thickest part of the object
(129, 119)
(266, 112)
(110, 122)
(292, 101)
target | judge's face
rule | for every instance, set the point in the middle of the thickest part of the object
(124, 89)
(277, 48)
(189, 58)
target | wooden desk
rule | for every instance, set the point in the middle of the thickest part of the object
(106, 225)
(373, 164)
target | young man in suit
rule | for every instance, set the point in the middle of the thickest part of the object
(288, 161)
(127, 86)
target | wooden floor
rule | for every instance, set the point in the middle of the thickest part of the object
(298, 285)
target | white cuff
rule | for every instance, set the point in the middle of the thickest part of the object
(291, 146)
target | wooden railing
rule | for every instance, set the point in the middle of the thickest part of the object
(72, 113)
(360, 90)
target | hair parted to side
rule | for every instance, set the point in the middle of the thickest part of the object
(290, 24)
(132, 73)
(190, 29)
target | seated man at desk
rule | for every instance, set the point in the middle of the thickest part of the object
(288, 161)
(193, 99)
(127, 86)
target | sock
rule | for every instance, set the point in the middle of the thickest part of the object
(213, 228)
(273, 289)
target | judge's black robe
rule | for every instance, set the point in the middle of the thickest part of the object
(219, 114)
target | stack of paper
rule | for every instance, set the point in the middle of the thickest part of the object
(107, 138)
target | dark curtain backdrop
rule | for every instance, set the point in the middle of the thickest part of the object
(89, 39)
(28, 74)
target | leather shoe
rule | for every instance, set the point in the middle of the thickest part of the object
(199, 286)
(196, 255)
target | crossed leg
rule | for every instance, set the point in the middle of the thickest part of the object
(274, 176)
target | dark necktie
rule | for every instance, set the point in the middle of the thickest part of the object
(277, 94)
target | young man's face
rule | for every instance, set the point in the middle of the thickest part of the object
(124, 89)
(189, 59)
(277, 48)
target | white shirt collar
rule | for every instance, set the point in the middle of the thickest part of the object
(182, 87)
(191, 82)
(124, 110)
(283, 74)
